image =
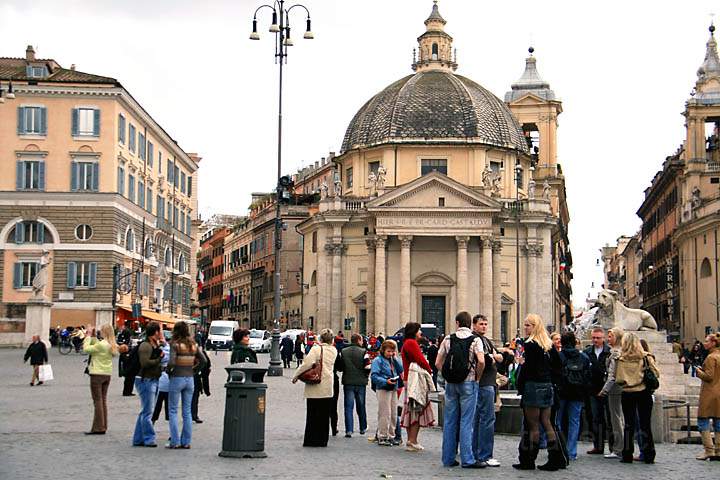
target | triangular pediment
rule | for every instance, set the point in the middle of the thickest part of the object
(424, 192)
(529, 99)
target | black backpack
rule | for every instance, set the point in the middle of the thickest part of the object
(457, 365)
(575, 372)
(131, 364)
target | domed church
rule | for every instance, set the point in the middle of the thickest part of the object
(445, 198)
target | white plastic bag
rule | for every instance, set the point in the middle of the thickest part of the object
(45, 373)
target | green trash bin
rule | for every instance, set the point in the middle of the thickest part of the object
(244, 426)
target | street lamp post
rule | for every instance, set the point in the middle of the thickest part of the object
(518, 182)
(281, 28)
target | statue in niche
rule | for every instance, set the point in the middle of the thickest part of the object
(487, 176)
(496, 189)
(372, 182)
(40, 279)
(531, 189)
(695, 201)
(381, 178)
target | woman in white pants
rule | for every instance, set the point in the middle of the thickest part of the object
(614, 393)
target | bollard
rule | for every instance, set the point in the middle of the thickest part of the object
(244, 425)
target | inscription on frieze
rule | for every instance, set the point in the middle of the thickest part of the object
(420, 222)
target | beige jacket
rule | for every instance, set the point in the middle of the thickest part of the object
(419, 384)
(324, 389)
(629, 374)
(710, 390)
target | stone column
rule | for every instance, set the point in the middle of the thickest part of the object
(486, 279)
(336, 314)
(462, 273)
(531, 282)
(370, 295)
(380, 325)
(496, 291)
(323, 289)
(405, 243)
(103, 316)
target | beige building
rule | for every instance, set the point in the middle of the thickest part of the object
(93, 179)
(421, 222)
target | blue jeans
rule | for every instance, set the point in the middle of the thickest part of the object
(147, 389)
(703, 424)
(180, 386)
(459, 414)
(573, 410)
(484, 437)
(354, 395)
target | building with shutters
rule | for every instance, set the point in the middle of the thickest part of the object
(98, 183)
(421, 219)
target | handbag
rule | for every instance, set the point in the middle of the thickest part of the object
(649, 378)
(45, 373)
(313, 375)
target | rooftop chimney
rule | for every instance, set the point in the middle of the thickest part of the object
(30, 53)
(72, 67)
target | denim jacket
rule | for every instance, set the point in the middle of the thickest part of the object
(381, 372)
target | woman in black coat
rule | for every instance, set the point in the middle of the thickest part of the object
(37, 354)
(299, 349)
(286, 351)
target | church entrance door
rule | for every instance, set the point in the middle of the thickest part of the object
(433, 311)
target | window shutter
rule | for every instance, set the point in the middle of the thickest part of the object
(74, 176)
(138, 283)
(71, 273)
(41, 175)
(147, 285)
(41, 232)
(120, 181)
(92, 276)
(75, 121)
(19, 232)
(21, 120)
(19, 175)
(149, 200)
(150, 153)
(96, 122)
(121, 129)
(189, 186)
(96, 176)
(28, 71)
(43, 121)
(17, 276)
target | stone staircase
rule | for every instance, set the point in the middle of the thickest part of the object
(675, 386)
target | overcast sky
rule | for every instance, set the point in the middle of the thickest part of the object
(623, 70)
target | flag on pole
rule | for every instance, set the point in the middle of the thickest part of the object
(200, 280)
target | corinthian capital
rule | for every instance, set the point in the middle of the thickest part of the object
(405, 241)
(496, 246)
(380, 242)
(462, 241)
(486, 242)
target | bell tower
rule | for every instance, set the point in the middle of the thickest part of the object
(702, 110)
(434, 46)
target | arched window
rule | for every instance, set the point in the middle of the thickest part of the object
(434, 51)
(148, 248)
(705, 269)
(168, 257)
(182, 264)
(130, 240)
(313, 279)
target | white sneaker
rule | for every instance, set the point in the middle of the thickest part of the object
(611, 455)
(492, 462)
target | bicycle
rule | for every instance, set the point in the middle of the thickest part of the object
(65, 345)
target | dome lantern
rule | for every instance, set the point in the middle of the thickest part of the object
(435, 50)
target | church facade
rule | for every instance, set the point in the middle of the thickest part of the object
(445, 198)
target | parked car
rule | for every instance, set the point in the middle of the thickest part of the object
(220, 335)
(260, 341)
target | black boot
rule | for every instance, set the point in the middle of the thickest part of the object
(556, 460)
(527, 453)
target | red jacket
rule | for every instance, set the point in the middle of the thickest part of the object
(411, 353)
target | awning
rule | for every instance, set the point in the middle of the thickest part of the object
(152, 315)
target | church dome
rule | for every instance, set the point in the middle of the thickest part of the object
(434, 105)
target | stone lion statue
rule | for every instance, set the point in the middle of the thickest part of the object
(612, 313)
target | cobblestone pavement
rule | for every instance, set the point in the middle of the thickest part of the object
(41, 437)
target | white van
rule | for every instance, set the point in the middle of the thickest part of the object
(220, 334)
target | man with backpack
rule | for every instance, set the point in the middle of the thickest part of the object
(461, 360)
(574, 385)
(598, 354)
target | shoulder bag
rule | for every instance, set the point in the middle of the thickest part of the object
(313, 375)
(649, 378)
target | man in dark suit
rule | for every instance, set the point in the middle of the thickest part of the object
(598, 352)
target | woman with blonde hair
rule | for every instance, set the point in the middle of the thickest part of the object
(636, 396)
(319, 396)
(709, 406)
(535, 387)
(100, 349)
(613, 392)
